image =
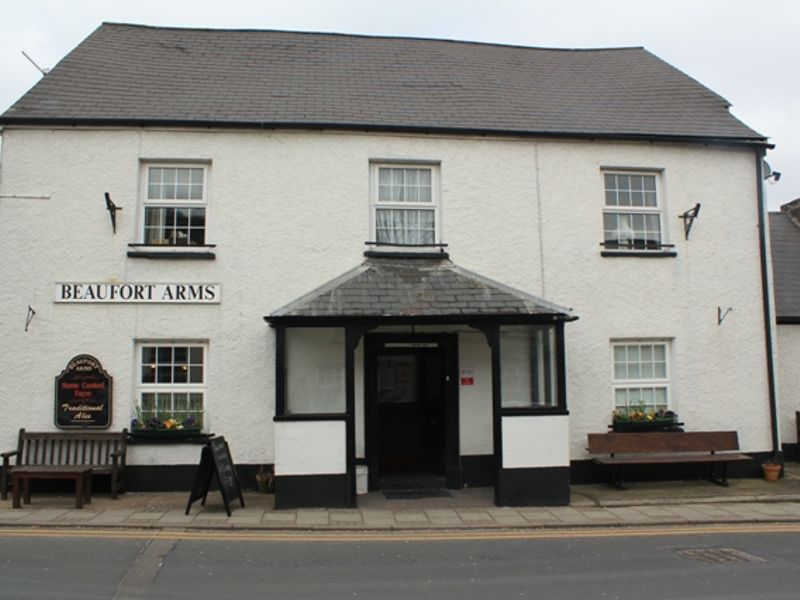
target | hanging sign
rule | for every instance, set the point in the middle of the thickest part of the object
(83, 395)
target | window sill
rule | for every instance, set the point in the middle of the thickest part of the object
(310, 417)
(533, 411)
(205, 252)
(406, 250)
(168, 437)
(639, 253)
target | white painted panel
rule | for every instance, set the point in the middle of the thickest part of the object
(310, 448)
(475, 401)
(535, 441)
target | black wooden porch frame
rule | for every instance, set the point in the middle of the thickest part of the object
(356, 327)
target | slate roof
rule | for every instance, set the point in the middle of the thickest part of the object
(393, 287)
(133, 74)
(784, 236)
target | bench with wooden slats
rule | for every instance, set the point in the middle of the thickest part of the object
(666, 447)
(105, 452)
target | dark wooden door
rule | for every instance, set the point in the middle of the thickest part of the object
(410, 399)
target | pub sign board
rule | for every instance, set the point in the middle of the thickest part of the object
(83, 395)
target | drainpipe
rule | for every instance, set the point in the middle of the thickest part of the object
(766, 294)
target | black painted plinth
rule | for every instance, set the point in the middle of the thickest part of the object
(312, 491)
(545, 486)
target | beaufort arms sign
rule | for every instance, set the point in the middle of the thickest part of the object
(139, 293)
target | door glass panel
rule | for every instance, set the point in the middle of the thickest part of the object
(397, 379)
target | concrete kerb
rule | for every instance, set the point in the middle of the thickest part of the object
(594, 506)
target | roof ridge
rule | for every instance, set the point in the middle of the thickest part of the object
(372, 36)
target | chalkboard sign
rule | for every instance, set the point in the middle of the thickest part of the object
(215, 459)
(83, 395)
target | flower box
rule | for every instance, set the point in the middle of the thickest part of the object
(637, 419)
(165, 432)
(666, 424)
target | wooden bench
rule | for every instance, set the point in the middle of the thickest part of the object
(105, 452)
(666, 447)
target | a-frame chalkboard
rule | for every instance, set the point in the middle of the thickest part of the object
(215, 459)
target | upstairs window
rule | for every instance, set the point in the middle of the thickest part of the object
(632, 212)
(175, 206)
(405, 205)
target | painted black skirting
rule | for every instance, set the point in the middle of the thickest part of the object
(312, 491)
(179, 478)
(791, 451)
(586, 471)
(545, 486)
(477, 470)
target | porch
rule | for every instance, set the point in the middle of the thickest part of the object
(416, 367)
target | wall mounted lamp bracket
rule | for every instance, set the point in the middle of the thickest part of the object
(688, 219)
(112, 211)
(29, 318)
(721, 315)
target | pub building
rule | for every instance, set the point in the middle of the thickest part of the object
(368, 277)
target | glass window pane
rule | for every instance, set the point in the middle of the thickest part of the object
(148, 354)
(164, 374)
(180, 374)
(180, 402)
(164, 354)
(148, 373)
(196, 355)
(196, 402)
(148, 402)
(181, 354)
(315, 380)
(196, 374)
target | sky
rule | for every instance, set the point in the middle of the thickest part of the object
(746, 51)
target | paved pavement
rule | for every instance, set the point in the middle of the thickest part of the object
(642, 504)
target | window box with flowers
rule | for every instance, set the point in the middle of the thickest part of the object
(635, 419)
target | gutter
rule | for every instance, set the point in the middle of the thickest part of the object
(765, 298)
(379, 128)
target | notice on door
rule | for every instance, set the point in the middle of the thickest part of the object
(467, 376)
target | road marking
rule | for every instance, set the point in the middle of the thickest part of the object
(399, 536)
(138, 579)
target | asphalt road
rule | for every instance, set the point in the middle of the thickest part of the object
(645, 564)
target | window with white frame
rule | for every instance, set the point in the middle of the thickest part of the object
(174, 205)
(405, 205)
(632, 212)
(641, 375)
(172, 382)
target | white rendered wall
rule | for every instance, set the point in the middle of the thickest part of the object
(788, 380)
(475, 401)
(531, 442)
(290, 210)
(310, 448)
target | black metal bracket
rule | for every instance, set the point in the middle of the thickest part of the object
(112, 211)
(29, 318)
(688, 219)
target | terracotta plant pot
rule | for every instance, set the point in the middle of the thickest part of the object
(771, 472)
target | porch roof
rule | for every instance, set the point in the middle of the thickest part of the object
(408, 288)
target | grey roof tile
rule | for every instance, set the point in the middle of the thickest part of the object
(405, 287)
(132, 73)
(785, 246)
